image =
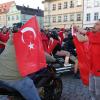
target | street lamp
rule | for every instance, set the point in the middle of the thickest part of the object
(49, 16)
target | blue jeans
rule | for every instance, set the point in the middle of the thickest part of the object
(25, 87)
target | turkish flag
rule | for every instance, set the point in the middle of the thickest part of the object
(52, 44)
(82, 49)
(45, 41)
(28, 47)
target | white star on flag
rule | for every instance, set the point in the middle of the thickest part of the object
(31, 46)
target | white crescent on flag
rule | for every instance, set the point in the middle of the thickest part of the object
(27, 29)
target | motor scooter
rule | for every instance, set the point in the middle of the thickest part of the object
(48, 84)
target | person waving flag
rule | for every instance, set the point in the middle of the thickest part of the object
(82, 54)
(30, 56)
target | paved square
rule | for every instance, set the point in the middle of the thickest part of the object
(73, 89)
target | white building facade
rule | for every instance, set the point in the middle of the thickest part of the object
(91, 12)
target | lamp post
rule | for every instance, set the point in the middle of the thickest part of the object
(49, 16)
(83, 15)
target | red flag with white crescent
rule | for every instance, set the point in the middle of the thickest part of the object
(29, 50)
(52, 44)
(83, 58)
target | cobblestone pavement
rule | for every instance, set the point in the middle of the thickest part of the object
(73, 89)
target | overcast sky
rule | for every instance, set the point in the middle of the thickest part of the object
(31, 3)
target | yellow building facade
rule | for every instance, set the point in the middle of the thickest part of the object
(63, 13)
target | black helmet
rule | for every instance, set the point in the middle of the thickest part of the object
(54, 35)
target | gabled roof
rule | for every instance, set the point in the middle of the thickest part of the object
(4, 7)
(30, 11)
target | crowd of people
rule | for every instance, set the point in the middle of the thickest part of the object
(56, 43)
(59, 43)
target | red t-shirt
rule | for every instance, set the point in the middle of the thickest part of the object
(4, 38)
(94, 39)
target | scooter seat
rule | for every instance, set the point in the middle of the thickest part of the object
(57, 65)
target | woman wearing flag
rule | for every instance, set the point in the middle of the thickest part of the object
(93, 38)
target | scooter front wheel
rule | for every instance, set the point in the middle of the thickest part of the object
(54, 91)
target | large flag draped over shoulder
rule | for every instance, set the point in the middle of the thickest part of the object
(83, 58)
(29, 49)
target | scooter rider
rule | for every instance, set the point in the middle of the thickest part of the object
(10, 76)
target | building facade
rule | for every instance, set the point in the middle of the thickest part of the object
(4, 8)
(63, 13)
(91, 12)
(21, 14)
(13, 16)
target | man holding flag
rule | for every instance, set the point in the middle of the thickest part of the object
(93, 57)
(23, 55)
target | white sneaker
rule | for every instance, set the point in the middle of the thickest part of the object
(67, 65)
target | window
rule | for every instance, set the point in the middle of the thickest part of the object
(54, 7)
(78, 17)
(65, 5)
(17, 17)
(59, 6)
(8, 18)
(89, 5)
(46, 8)
(96, 16)
(72, 17)
(88, 17)
(12, 17)
(65, 18)
(79, 3)
(59, 19)
(97, 3)
(71, 4)
(54, 19)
